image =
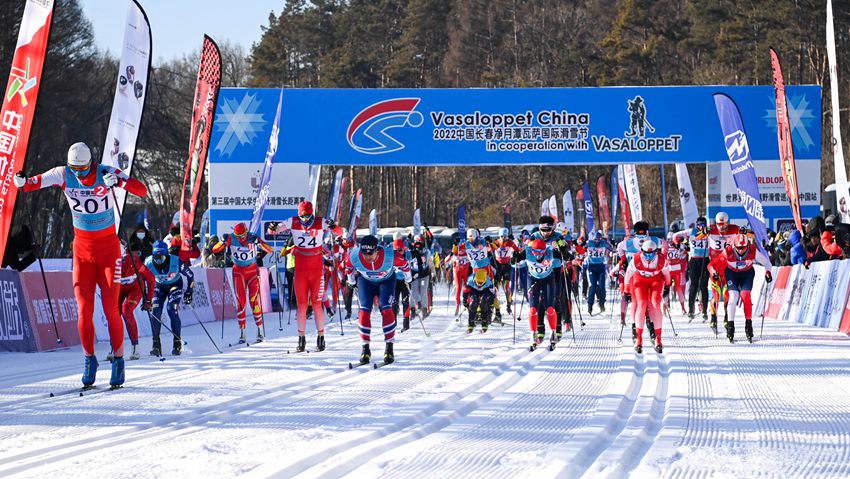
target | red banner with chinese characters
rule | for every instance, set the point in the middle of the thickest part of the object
(206, 98)
(19, 105)
(786, 147)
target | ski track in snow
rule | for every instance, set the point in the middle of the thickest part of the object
(454, 405)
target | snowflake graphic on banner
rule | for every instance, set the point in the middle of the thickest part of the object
(800, 116)
(239, 123)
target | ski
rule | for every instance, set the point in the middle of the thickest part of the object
(353, 365)
(380, 364)
(84, 391)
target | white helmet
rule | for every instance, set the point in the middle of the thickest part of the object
(504, 233)
(79, 155)
(648, 246)
(472, 234)
(397, 236)
(721, 218)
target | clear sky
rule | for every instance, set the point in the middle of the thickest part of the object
(178, 26)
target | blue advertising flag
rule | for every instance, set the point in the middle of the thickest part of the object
(265, 180)
(588, 207)
(615, 198)
(738, 151)
(461, 221)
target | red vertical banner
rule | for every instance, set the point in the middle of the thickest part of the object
(19, 104)
(603, 198)
(580, 217)
(786, 147)
(203, 112)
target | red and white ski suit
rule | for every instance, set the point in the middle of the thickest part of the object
(677, 261)
(131, 294)
(246, 274)
(461, 269)
(309, 268)
(647, 279)
(97, 251)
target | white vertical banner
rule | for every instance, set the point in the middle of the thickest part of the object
(417, 222)
(553, 207)
(841, 195)
(544, 208)
(686, 195)
(315, 172)
(569, 212)
(633, 191)
(373, 223)
(119, 147)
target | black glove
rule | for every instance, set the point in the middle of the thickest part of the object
(187, 296)
(768, 276)
(715, 277)
(147, 306)
(628, 297)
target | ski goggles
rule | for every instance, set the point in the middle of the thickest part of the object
(306, 219)
(80, 169)
(159, 258)
(240, 236)
(538, 252)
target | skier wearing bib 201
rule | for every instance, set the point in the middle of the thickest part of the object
(596, 263)
(167, 269)
(503, 251)
(97, 254)
(648, 276)
(307, 236)
(697, 265)
(246, 274)
(719, 237)
(562, 274)
(539, 258)
(371, 269)
(740, 257)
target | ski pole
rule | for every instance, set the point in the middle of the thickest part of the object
(513, 275)
(673, 326)
(35, 249)
(205, 329)
(223, 279)
(764, 306)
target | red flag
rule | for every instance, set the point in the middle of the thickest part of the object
(602, 198)
(786, 148)
(206, 97)
(580, 216)
(19, 104)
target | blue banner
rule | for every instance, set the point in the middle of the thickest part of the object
(416, 127)
(16, 331)
(461, 221)
(265, 179)
(588, 208)
(741, 162)
(615, 199)
(333, 195)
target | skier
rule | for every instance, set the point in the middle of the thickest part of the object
(421, 271)
(637, 115)
(561, 272)
(677, 261)
(539, 258)
(401, 297)
(697, 265)
(371, 269)
(503, 250)
(740, 257)
(478, 296)
(347, 292)
(307, 234)
(596, 263)
(460, 267)
(167, 269)
(133, 272)
(648, 276)
(246, 274)
(719, 237)
(481, 258)
(97, 252)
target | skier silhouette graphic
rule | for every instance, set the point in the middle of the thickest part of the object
(639, 123)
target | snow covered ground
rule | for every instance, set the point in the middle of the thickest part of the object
(454, 405)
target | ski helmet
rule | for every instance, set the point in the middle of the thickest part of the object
(480, 277)
(305, 212)
(369, 244)
(649, 249)
(504, 233)
(159, 252)
(592, 236)
(240, 231)
(538, 248)
(702, 222)
(641, 227)
(472, 234)
(721, 218)
(741, 242)
(79, 159)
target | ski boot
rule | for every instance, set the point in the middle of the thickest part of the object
(365, 354)
(469, 329)
(651, 328)
(590, 310)
(639, 347)
(261, 333)
(534, 341)
(389, 356)
(135, 354)
(485, 325)
(658, 347)
(748, 329)
(553, 340)
(89, 371)
(156, 350)
(177, 347)
(302, 344)
(347, 315)
(509, 308)
(634, 333)
(704, 316)
(110, 356)
(602, 308)
(730, 331)
(713, 324)
(320, 342)
(691, 317)
(558, 337)
(242, 338)
(569, 324)
(117, 378)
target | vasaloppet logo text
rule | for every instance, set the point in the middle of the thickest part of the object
(369, 131)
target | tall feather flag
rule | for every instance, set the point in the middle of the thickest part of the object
(786, 146)
(580, 216)
(569, 212)
(624, 200)
(19, 104)
(461, 221)
(602, 201)
(266, 178)
(615, 198)
(203, 114)
(333, 196)
(588, 208)
(553, 207)
(354, 218)
(417, 222)
(373, 223)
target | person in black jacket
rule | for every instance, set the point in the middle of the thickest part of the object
(141, 241)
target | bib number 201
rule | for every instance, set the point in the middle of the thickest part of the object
(90, 205)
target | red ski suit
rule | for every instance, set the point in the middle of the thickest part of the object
(246, 274)
(130, 294)
(647, 279)
(97, 252)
